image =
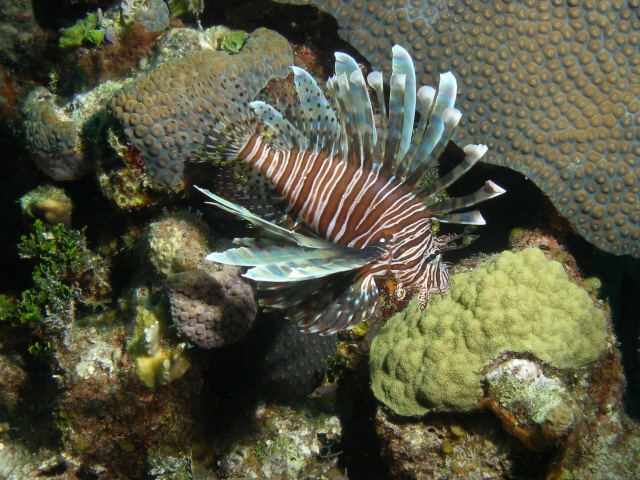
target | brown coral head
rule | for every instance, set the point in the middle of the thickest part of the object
(211, 310)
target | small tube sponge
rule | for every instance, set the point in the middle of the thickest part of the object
(519, 303)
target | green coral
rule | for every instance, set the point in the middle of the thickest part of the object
(520, 303)
(61, 260)
(84, 29)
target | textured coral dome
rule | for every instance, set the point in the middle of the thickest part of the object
(552, 87)
(168, 113)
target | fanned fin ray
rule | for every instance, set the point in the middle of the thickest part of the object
(488, 191)
(320, 125)
(350, 94)
(268, 228)
(249, 188)
(473, 154)
(326, 305)
(287, 137)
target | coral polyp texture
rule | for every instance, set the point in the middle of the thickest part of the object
(168, 113)
(211, 310)
(155, 17)
(177, 242)
(52, 137)
(519, 303)
(62, 136)
(552, 87)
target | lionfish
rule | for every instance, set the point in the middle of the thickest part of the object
(358, 192)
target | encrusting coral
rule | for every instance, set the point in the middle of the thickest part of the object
(520, 303)
(552, 87)
(60, 136)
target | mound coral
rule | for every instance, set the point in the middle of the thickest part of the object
(553, 89)
(61, 136)
(211, 310)
(168, 113)
(519, 303)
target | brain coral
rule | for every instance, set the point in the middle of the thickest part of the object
(520, 303)
(552, 87)
(211, 310)
(168, 113)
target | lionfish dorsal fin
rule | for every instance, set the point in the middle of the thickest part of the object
(473, 153)
(402, 108)
(286, 136)
(443, 120)
(350, 95)
(488, 191)
(316, 118)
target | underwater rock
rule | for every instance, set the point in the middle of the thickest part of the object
(286, 442)
(176, 243)
(532, 405)
(158, 360)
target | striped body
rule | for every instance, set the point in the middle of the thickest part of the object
(358, 189)
(348, 205)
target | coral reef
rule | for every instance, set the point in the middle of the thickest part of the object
(157, 363)
(286, 442)
(168, 113)
(84, 29)
(294, 362)
(532, 405)
(520, 303)
(60, 137)
(65, 271)
(48, 203)
(211, 310)
(177, 242)
(553, 89)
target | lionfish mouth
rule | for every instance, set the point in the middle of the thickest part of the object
(346, 182)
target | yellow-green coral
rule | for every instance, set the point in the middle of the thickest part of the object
(520, 302)
(157, 362)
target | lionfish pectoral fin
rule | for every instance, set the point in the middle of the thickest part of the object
(356, 303)
(248, 188)
(313, 264)
(268, 228)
